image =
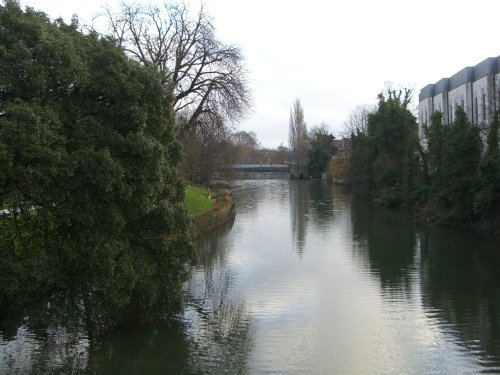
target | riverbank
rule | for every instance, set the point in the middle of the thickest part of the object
(425, 212)
(221, 212)
(198, 200)
(429, 214)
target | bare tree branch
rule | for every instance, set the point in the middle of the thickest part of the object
(209, 81)
(357, 122)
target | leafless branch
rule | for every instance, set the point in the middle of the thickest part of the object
(208, 77)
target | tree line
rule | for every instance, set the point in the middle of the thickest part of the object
(211, 155)
(94, 129)
(451, 178)
(312, 149)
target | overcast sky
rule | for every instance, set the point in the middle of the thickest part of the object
(335, 55)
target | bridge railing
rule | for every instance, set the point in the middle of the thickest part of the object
(264, 167)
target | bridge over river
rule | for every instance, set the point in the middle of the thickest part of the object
(269, 171)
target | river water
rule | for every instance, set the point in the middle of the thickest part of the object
(306, 280)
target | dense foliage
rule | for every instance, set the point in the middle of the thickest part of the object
(321, 149)
(454, 154)
(383, 158)
(452, 178)
(89, 182)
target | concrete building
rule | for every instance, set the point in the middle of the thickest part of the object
(476, 89)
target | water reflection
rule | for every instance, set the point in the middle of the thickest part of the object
(213, 335)
(163, 348)
(322, 202)
(299, 218)
(387, 239)
(137, 348)
(218, 325)
(54, 350)
(459, 281)
(313, 205)
(51, 336)
(371, 292)
(455, 274)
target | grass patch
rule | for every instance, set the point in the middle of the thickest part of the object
(198, 200)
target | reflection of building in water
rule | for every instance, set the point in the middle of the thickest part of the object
(299, 209)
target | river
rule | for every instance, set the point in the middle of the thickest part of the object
(306, 280)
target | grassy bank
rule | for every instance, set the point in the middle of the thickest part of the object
(198, 200)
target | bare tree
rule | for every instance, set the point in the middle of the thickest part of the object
(206, 154)
(281, 154)
(297, 136)
(357, 122)
(246, 139)
(246, 147)
(208, 77)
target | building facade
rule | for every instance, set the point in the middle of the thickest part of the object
(476, 89)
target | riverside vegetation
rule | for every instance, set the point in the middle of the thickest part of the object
(92, 200)
(453, 180)
(198, 200)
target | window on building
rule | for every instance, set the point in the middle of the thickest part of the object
(484, 107)
(462, 104)
(451, 112)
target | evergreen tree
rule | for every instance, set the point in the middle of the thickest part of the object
(392, 133)
(88, 173)
(460, 169)
(361, 163)
(487, 200)
(321, 149)
(436, 137)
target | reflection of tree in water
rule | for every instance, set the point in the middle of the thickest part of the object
(315, 202)
(140, 349)
(386, 241)
(53, 339)
(459, 278)
(299, 209)
(461, 288)
(36, 344)
(251, 195)
(217, 323)
(214, 334)
(322, 202)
